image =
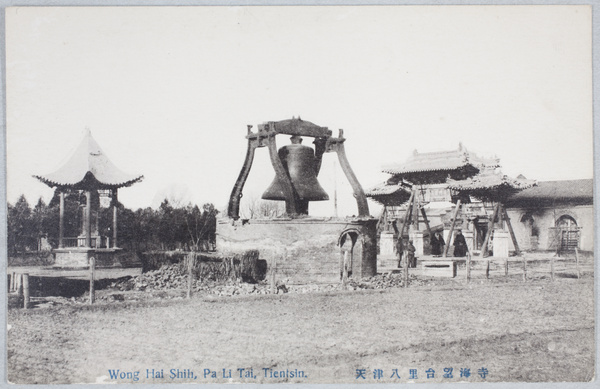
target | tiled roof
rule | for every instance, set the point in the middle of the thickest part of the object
(490, 185)
(440, 161)
(490, 180)
(89, 168)
(389, 194)
(567, 190)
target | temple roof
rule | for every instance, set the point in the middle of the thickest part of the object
(569, 191)
(89, 168)
(490, 185)
(387, 193)
(440, 161)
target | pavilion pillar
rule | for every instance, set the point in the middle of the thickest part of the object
(88, 219)
(114, 224)
(61, 220)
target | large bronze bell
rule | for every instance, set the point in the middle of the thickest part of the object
(300, 163)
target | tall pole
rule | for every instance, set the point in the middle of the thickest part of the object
(61, 220)
(88, 219)
(114, 224)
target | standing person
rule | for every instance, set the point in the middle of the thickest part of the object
(460, 244)
(399, 251)
(410, 254)
(437, 244)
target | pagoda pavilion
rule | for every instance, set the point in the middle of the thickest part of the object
(91, 173)
(411, 181)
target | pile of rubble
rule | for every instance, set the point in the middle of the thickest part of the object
(170, 277)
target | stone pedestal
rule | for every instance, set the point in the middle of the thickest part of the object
(469, 239)
(387, 250)
(73, 257)
(500, 245)
(417, 238)
(304, 250)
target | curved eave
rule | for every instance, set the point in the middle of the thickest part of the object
(89, 182)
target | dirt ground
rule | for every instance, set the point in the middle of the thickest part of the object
(539, 330)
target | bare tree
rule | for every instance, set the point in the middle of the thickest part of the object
(256, 208)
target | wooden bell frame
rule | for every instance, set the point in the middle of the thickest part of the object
(324, 143)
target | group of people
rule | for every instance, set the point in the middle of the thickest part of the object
(437, 247)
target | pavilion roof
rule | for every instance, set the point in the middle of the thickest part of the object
(490, 185)
(388, 193)
(89, 168)
(443, 162)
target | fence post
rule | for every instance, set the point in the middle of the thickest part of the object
(468, 267)
(92, 276)
(552, 268)
(577, 262)
(345, 269)
(273, 282)
(506, 268)
(190, 267)
(26, 290)
(405, 269)
(487, 268)
(524, 268)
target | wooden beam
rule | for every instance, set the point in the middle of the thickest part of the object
(510, 229)
(415, 212)
(426, 221)
(407, 215)
(452, 228)
(484, 249)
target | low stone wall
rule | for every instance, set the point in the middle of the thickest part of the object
(305, 249)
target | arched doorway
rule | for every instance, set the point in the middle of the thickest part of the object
(568, 233)
(350, 243)
(532, 231)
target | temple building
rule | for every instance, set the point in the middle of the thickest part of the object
(554, 215)
(417, 201)
(90, 173)
(547, 216)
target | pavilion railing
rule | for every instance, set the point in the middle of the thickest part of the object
(95, 242)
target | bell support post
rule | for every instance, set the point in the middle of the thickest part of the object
(337, 145)
(233, 210)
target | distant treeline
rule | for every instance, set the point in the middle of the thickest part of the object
(186, 227)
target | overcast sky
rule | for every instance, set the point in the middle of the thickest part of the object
(168, 91)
